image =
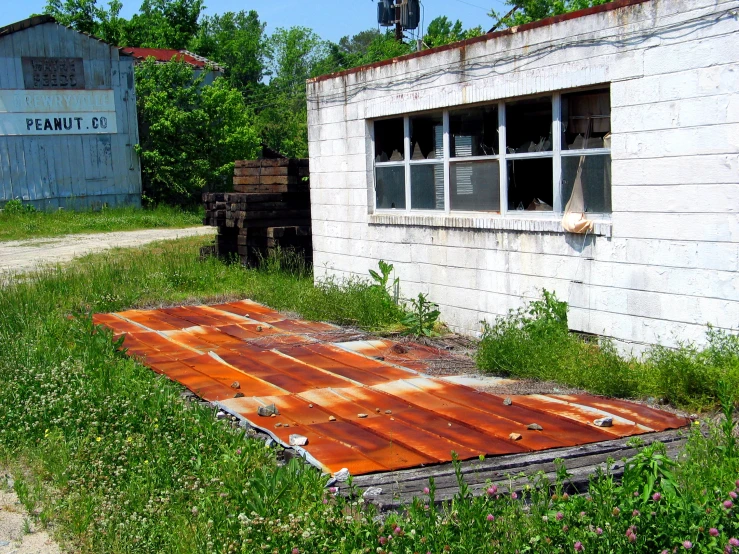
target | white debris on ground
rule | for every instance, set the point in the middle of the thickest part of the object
(19, 534)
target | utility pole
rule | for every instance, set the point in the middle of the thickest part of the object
(398, 27)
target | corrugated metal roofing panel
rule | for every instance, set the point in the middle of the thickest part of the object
(244, 355)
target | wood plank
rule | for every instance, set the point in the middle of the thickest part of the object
(399, 487)
(244, 171)
(266, 180)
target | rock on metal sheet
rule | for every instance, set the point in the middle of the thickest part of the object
(656, 419)
(465, 414)
(433, 439)
(584, 414)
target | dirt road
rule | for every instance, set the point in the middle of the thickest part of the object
(25, 255)
(18, 532)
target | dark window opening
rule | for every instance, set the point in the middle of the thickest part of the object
(390, 187)
(529, 126)
(427, 187)
(474, 132)
(475, 186)
(594, 172)
(427, 138)
(389, 140)
(530, 184)
(586, 120)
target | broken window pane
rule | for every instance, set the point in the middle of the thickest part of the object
(586, 120)
(427, 187)
(594, 172)
(475, 186)
(427, 138)
(529, 126)
(390, 187)
(389, 140)
(530, 184)
(474, 132)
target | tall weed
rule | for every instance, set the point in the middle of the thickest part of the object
(535, 342)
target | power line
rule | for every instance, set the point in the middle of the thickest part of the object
(473, 5)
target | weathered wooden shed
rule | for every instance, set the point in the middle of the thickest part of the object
(67, 118)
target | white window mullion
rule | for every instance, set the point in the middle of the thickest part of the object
(557, 150)
(503, 163)
(447, 155)
(407, 162)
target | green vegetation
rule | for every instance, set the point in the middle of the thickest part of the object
(526, 11)
(535, 342)
(190, 133)
(119, 463)
(18, 222)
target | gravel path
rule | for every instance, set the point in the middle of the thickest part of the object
(25, 255)
(15, 525)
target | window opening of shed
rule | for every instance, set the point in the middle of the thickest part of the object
(474, 132)
(586, 160)
(390, 187)
(389, 140)
(427, 162)
(551, 153)
(529, 126)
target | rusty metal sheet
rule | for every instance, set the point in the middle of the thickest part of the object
(656, 419)
(410, 419)
(345, 364)
(252, 310)
(585, 415)
(408, 354)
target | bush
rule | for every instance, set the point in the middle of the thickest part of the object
(535, 342)
(688, 376)
(16, 206)
(190, 133)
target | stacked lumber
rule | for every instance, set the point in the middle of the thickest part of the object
(269, 209)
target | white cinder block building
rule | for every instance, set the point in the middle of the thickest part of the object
(456, 165)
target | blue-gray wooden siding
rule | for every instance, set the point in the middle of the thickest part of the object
(74, 171)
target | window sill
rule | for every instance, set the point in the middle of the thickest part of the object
(546, 224)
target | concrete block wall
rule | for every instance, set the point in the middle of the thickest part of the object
(657, 271)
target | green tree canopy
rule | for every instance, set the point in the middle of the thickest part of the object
(165, 23)
(442, 31)
(190, 134)
(88, 17)
(237, 41)
(533, 10)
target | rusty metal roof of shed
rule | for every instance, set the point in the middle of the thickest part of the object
(244, 356)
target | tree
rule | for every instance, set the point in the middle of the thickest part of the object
(165, 23)
(237, 41)
(190, 134)
(87, 17)
(533, 10)
(363, 48)
(442, 31)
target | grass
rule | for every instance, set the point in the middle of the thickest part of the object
(535, 342)
(21, 224)
(118, 463)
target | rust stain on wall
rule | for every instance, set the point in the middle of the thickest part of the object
(363, 405)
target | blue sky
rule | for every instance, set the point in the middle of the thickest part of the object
(331, 19)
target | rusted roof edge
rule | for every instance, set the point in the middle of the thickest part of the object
(614, 5)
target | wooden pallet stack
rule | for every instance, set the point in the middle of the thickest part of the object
(269, 209)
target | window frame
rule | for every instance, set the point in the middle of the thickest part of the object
(556, 155)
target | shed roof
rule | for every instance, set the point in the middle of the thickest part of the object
(164, 55)
(40, 20)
